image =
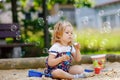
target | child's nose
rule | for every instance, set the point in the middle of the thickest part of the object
(70, 34)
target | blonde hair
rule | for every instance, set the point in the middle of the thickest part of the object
(59, 28)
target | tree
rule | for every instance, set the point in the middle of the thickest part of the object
(46, 32)
(14, 11)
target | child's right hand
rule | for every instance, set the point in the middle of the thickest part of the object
(76, 45)
(65, 57)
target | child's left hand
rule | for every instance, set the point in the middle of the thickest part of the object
(65, 57)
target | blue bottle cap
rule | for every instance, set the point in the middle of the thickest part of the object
(68, 53)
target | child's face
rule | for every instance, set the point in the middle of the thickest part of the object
(67, 35)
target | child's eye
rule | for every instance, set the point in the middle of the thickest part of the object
(67, 32)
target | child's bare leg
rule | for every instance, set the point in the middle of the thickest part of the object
(58, 73)
(76, 69)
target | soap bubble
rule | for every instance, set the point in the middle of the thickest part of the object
(48, 18)
(18, 32)
(13, 65)
(118, 12)
(22, 53)
(18, 37)
(101, 13)
(85, 20)
(106, 27)
(60, 13)
(91, 45)
(27, 41)
(50, 30)
(48, 1)
(78, 11)
(13, 27)
(3, 1)
(37, 43)
(75, 36)
(103, 44)
(45, 50)
(41, 21)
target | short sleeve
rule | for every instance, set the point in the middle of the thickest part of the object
(73, 49)
(54, 49)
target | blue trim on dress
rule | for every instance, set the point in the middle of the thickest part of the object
(53, 51)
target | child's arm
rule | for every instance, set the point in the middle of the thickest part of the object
(52, 61)
(77, 54)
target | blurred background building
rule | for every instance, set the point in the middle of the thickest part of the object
(105, 12)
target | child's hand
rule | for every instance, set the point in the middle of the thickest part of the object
(77, 46)
(65, 57)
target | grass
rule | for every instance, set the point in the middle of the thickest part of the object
(94, 42)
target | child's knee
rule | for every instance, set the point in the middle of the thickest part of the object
(76, 69)
(57, 72)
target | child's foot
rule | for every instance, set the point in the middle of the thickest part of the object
(84, 75)
(79, 76)
(89, 74)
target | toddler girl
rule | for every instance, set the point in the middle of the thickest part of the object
(62, 52)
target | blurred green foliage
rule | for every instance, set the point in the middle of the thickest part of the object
(31, 30)
(94, 42)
